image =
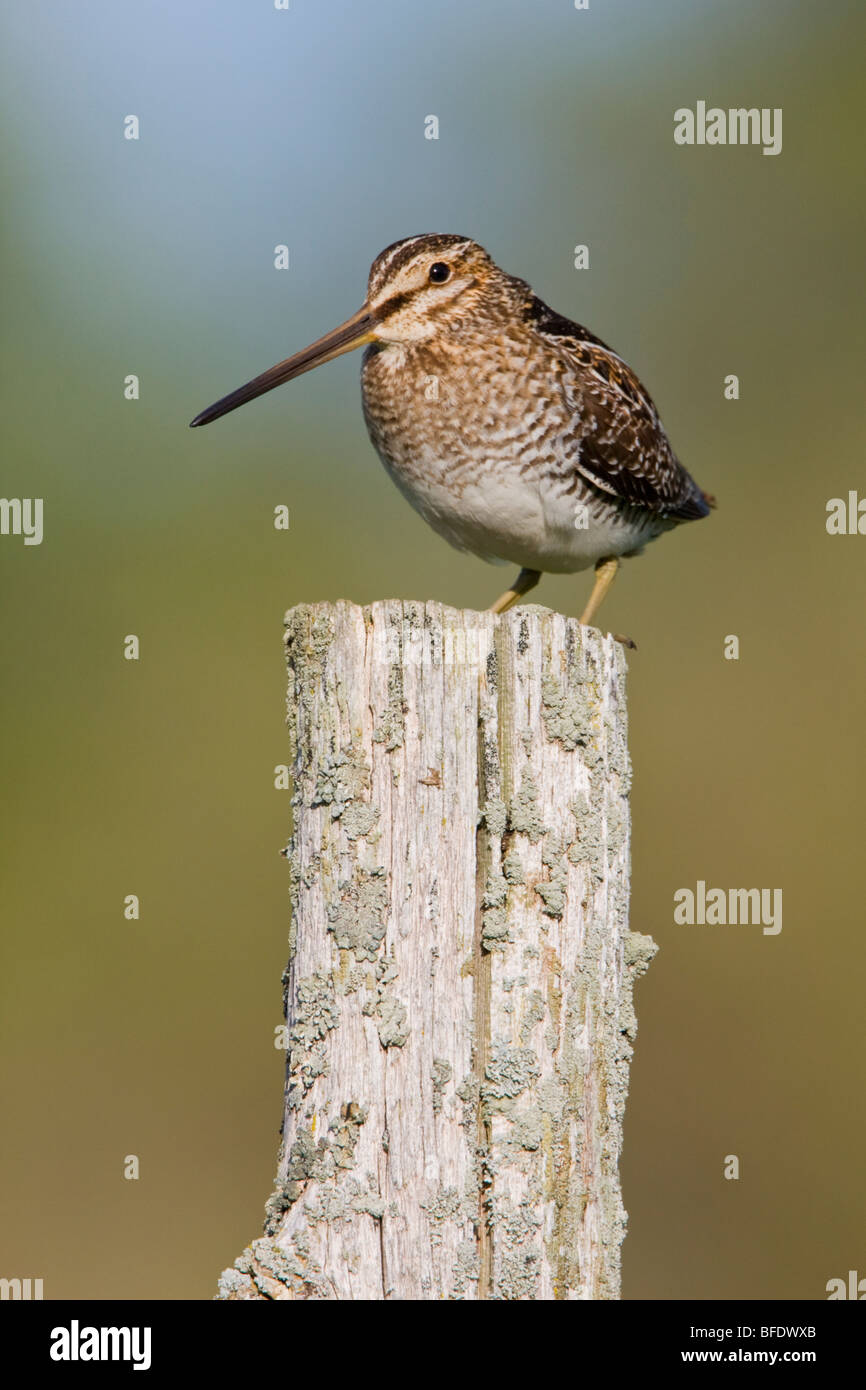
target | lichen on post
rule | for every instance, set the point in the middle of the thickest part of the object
(459, 990)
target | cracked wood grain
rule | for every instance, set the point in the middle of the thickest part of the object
(459, 989)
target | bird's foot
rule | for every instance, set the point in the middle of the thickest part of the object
(617, 637)
(526, 580)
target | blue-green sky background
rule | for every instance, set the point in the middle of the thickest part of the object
(155, 257)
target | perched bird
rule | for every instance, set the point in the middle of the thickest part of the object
(517, 434)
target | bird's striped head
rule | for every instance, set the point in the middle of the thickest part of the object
(419, 285)
(418, 288)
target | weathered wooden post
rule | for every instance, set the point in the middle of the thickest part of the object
(459, 989)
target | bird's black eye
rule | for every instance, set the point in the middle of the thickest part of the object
(439, 272)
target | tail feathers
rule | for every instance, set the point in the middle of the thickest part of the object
(695, 505)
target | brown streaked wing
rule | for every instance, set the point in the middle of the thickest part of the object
(620, 444)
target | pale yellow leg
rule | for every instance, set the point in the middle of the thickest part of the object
(605, 574)
(526, 580)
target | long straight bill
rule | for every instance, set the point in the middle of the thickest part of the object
(353, 333)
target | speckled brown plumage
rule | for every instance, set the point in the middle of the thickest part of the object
(517, 434)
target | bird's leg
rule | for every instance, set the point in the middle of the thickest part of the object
(526, 580)
(605, 573)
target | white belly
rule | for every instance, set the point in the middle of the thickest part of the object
(503, 519)
(511, 504)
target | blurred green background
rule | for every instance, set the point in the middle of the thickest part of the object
(155, 777)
